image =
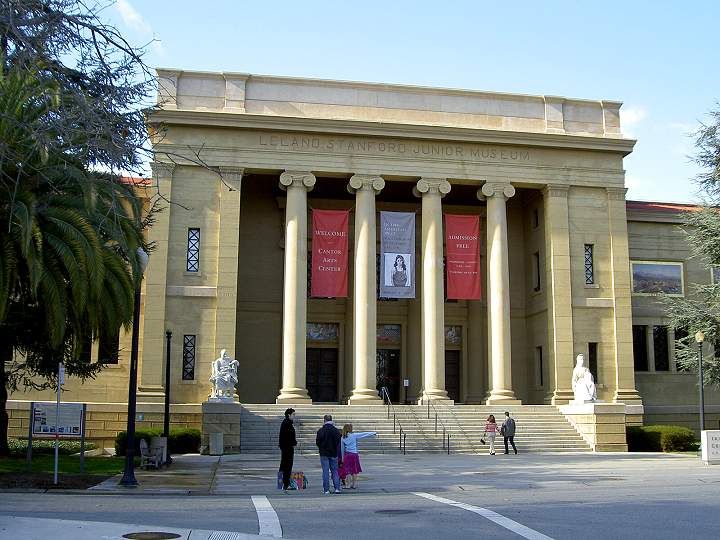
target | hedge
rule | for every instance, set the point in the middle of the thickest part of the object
(18, 447)
(660, 439)
(182, 441)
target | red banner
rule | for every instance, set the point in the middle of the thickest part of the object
(329, 253)
(462, 245)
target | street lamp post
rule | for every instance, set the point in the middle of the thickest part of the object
(166, 423)
(700, 337)
(128, 478)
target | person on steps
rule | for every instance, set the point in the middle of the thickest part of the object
(287, 444)
(491, 429)
(350, 456)
(507, 430)
(328, 441)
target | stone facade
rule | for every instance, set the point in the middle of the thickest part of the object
(545, 175)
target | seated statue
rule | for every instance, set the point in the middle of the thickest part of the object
(224, 377)
(583, 385)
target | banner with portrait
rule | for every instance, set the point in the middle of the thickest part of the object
(397, 255)
(462, 259)
(329, 276)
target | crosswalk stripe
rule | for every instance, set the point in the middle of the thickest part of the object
(267, 518)
(514, 526)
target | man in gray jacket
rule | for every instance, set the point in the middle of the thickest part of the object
(508, 432)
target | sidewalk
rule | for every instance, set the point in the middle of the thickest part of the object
(12, 527)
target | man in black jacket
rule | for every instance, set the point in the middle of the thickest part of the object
(287, 445)
(328, 441)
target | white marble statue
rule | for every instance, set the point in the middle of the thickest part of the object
(583, 385)
(224, 377)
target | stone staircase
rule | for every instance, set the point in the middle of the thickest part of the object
(540, 428)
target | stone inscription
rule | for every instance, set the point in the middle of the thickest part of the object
(418, 149)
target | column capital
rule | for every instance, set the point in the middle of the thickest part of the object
(496, 189)
(162, 170)
(616, 194)
(297, 179)
(432, 186)
(231, 176)
(359, 182)
(556, 190)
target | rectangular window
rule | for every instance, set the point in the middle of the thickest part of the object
(593, 360)
(193, 250)
(536, 271)
(589, 265)
(661, 348)
(188, 366)
(109, 347)
(640, 347)
(540, 367)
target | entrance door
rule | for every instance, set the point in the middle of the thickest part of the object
(321, 372)
(388, 372)
(452, 374)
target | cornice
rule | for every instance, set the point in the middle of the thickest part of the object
(388, 129)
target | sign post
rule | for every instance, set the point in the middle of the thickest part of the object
(60, 382)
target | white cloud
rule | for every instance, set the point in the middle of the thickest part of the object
(132, 18)
(630, 117)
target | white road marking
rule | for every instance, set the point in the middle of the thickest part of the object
(514, 526)
(267, 518)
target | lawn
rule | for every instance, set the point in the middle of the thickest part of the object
(14, 472)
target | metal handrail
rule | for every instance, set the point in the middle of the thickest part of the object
(396, 420)
(446, 431)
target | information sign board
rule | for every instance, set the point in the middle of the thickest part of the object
(70, 419)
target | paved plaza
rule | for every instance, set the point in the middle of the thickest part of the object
(539, 496)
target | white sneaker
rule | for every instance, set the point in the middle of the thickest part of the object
(326, 493)
(337, 491)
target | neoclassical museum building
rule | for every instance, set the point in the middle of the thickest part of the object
(519, 250)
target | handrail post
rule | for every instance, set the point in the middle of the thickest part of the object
(428, 405)
(448, 448)
(435, 422)
(404, 444)
(443, 437)
(394, 424)
(400, 438)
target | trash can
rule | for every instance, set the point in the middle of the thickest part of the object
(216, 444)
(159, 447)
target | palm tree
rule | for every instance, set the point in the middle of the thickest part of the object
(68, 241)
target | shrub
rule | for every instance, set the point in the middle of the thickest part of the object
(18, 447)
(182, 441)
(660, 439)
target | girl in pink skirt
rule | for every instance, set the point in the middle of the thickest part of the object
(350, 457)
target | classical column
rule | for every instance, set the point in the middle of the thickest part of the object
(625, 390)
(154, 323)
(365, 188)
(559, 294)
(228, 254)
(500, 357)
(433, 296)
(297, 184)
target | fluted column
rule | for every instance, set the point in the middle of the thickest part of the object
(364, 391)
(433, 298)
(297, 184)
(496, 195)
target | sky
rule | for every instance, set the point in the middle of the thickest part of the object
(660, 58)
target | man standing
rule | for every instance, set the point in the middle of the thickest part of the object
(328, 441)
(508, 432)
(287, 444)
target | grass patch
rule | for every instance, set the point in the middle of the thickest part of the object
(14, 472)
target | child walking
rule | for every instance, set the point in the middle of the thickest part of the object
(350, 457)
(491, 429)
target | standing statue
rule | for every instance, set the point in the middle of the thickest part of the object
(583, 385)
(224, 377)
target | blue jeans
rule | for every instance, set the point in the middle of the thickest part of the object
(330, 465)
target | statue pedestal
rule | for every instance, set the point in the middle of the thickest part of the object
(602, 425)
(221, 415)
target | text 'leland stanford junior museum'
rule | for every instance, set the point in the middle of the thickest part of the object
(449, 245)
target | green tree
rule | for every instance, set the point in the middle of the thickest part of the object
(700, 309)
(68, 245)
